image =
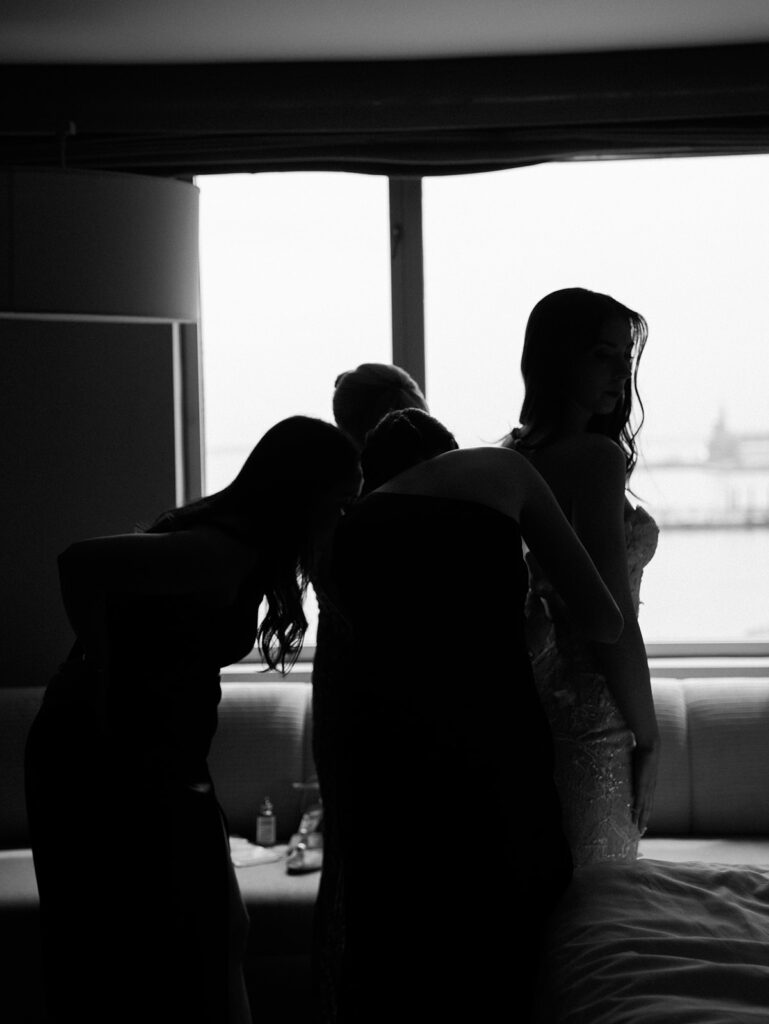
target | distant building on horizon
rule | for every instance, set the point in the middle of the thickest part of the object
(736, 451)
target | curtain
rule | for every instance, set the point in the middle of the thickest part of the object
(407, 118)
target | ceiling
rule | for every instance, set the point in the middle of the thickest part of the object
(184, 31)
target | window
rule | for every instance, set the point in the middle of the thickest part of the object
(685, 242)
(296, 288)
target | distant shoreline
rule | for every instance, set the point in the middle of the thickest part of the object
(748, 524)
(714, 467)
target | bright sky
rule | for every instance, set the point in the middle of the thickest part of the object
(296, 288)
(295, 285)
(684, 242)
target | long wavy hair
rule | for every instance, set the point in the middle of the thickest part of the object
(561, 327)
(273, 498)
(402, 439)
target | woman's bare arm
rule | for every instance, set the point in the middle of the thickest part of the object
(564, 559)
(598, 510)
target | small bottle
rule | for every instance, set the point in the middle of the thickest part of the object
(266, 824)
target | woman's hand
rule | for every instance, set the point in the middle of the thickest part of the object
(645, 765)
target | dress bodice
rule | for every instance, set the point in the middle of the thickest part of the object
(593, 745)
(428, 582)
(641, 536)
(432, 585)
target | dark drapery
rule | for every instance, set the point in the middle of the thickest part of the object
(387, 117)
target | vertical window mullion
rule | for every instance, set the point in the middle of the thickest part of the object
(407, 277)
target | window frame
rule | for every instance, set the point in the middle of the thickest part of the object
(678, 659)
(666, 660)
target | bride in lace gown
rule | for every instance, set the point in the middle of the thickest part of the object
(579, 360)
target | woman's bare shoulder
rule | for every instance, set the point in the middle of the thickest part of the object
(581, 453)
(487, 475)
(478, 463)
(599, 457)
(586, 445)
(596, 477)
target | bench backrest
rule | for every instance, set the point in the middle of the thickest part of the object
(714, 772)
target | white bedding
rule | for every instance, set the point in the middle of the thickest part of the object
(660, 943)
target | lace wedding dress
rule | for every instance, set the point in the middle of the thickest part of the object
(593, 745)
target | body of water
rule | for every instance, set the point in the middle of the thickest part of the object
(707, 585)
(709, 579)
(700, 495)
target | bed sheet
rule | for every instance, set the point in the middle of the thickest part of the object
(654, 942)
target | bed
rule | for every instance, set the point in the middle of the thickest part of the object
(682, 935)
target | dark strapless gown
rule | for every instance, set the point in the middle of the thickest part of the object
(129, 841)
(449, 821)
(332, 661)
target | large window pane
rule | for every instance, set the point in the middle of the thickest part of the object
(295, 285)
(295, 288)
(686, 243)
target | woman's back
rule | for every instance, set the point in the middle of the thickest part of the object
(439, 586)
(434, 558)
(452, 770)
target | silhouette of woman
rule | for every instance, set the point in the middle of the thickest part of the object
(361, 398)
(118, 788)
(579, 361)
(449, 819)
